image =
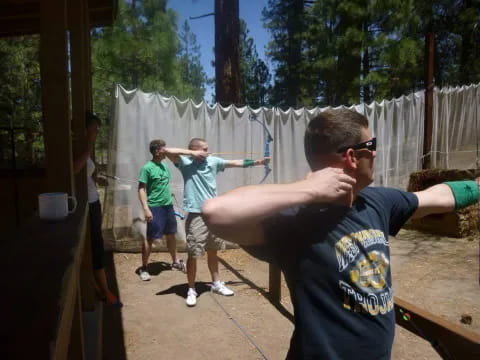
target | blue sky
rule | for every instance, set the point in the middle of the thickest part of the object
(250, 11)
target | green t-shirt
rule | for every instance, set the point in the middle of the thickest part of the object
(157, 179)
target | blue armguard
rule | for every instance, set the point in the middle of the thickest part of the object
(465, 192)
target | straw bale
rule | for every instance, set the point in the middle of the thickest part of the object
(461, 223)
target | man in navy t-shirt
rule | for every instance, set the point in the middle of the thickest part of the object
(329, 235)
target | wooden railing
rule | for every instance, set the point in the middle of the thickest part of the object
(46, 282)
(449, 340)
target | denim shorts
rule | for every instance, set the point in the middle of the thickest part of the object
(163, 222)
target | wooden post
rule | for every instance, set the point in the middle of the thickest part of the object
(227, 53)
(79, 33)
(78, 24)
(274, 283)
(76, 349)
(87, 279)
(88, 61)
(55, 92)
(428, 124)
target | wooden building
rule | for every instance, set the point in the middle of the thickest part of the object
(47, 282)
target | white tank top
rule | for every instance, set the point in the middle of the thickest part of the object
(92, 189)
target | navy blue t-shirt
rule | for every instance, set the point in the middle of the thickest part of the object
(336, 262)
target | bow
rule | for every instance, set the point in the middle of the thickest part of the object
(268, 140)
(177, 213)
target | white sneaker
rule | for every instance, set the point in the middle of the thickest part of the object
(191, 297)
(220, 288)
(144, 275)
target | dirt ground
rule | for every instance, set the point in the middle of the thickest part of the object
(435, 273)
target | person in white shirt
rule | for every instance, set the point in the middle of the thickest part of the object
(95, 212)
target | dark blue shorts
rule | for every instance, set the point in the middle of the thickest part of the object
(163, 222)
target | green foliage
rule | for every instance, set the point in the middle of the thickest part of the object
(142, 50)
(254, 74)
(349, 51)
(359, 50)
(456, 24)
(193, 76)
(20, 101)
(138, 51)
(285, 19)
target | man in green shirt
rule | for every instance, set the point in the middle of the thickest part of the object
(156, 200)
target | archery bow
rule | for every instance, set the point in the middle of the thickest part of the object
(268, 140)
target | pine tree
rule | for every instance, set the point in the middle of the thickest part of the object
(254, 74)
(140, 50)
(455, 24)
(468, 28)
(358, 50)
(285, 20)
(396, 66)
(193, 76)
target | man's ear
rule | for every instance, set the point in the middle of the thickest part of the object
(350, 159)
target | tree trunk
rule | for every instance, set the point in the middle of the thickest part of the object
(366, 70)
(428, 126)
(227, 54)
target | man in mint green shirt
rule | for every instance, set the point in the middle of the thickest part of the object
(156, 200)
(200, 185)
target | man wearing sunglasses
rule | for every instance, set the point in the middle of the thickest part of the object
(329, 234)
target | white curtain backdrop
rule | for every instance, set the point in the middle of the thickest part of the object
(398, 125)
(456, 120)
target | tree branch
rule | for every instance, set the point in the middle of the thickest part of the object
(201, 16)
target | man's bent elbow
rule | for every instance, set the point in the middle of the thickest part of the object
(225, 225)
(211, 214)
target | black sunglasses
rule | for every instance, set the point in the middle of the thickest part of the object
(369, 145)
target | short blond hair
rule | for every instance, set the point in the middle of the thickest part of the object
(195, 142)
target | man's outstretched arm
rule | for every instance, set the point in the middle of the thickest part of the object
(237, 215)
(173, 154)
(446, 197)
(246, 163)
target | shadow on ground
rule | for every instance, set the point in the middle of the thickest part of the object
(287, 314)
(113, 332)
(113, 339)
(156, 268)
(200, 286)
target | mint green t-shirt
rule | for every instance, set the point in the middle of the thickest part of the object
(199, 180)
(156, 177)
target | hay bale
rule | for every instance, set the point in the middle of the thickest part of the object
(461, 223)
